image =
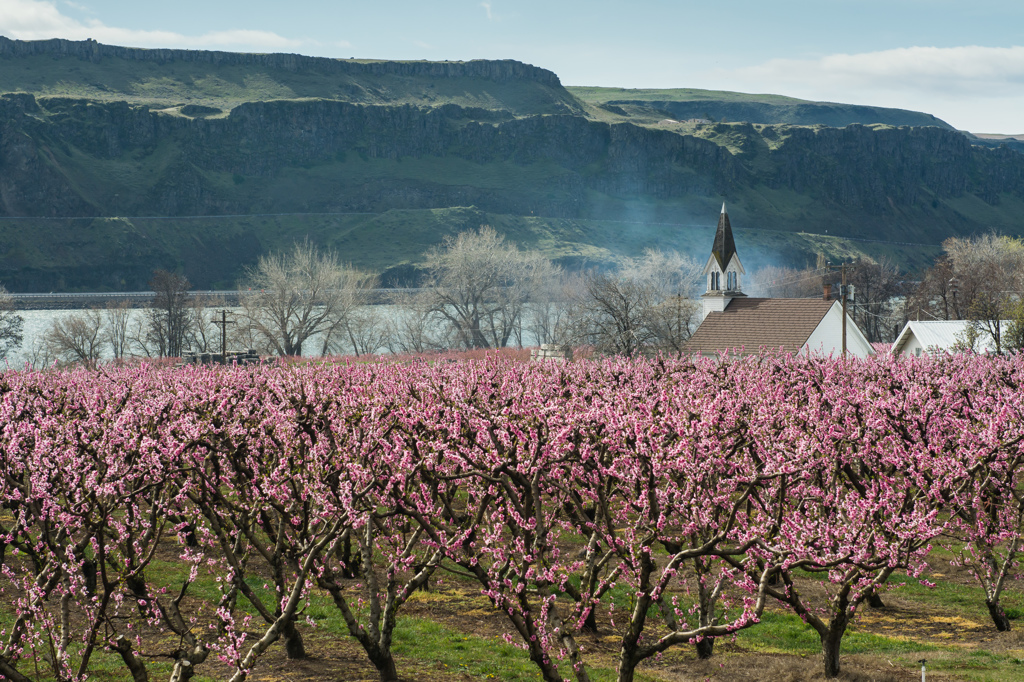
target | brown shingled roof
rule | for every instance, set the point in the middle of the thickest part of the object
(752, 323)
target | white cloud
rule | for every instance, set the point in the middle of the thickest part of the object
(487, 8)
(41, 19)
(423, 45)
(944, 70)
(972, 87)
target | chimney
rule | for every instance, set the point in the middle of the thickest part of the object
(826, 293)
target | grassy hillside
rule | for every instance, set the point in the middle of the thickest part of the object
(719, 105)
(172, 79)
(121, 253)
(217, 158)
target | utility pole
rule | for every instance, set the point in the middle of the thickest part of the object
(223, 323)
(842, 290)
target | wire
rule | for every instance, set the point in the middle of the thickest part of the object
(343, 213)
(809, 275)
(183, 217)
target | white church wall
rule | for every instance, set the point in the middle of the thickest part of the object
(827, 337)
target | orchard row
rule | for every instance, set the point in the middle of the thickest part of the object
(697, 493)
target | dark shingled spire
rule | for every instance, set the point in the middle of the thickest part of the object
(724, 247)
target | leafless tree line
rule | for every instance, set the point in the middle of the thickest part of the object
(879, 291)
(479, 291)
(980, 279)
(482, 291)
(11, 325)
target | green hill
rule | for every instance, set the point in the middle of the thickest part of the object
(201, 161)
(172, 79)
(683, 104)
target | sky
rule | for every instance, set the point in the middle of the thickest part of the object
(961, 61)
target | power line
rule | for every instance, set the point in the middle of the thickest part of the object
(808, 275)
(350, 213)
(185, 217)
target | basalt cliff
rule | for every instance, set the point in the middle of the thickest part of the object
(140, 159)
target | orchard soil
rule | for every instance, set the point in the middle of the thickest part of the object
(457, 604)
(957, 634)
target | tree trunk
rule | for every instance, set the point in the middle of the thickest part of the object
(89, 571)
(874, 601)
(705, 648)
(385, 664)
(293, 641)
(350, 561)
(626, 671)
(830, 652)
(995, 609)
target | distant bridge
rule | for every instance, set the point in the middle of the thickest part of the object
(53, 299)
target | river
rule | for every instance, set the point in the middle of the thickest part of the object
(37, 322)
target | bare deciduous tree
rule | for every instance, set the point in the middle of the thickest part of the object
(979, 279)
(117, 316)
(364, 331)
(289, 298)
(879, 295)
(646, 305)
(611, 314)
(547, 317)
(76, 337)
(675, 279)
(169, 314)
(204, 335)
(478, 285)
(409, 328)
(11, 325)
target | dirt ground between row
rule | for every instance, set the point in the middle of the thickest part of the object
(460, 607)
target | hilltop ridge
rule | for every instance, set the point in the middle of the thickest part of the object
(91, 70)
(117, 161)
(722, 105)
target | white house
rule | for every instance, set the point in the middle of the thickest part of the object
(735, 323)
(937, 337)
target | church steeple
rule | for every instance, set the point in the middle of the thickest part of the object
(723, 269)
(724, 247)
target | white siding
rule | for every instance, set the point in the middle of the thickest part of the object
(827, 337)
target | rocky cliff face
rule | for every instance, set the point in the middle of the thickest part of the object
(90, 50)
(796, 113)
(170, 164)
(43, 146)
(74, 157)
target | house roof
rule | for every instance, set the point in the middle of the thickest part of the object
(752, 323)
(939, 335)
(724, 247)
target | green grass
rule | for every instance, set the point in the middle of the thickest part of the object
(785, 633)
(428, 640)
(89, 254)
(650, 105)
(600, 95)
(174, 84)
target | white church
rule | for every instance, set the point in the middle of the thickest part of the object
(737, 324)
